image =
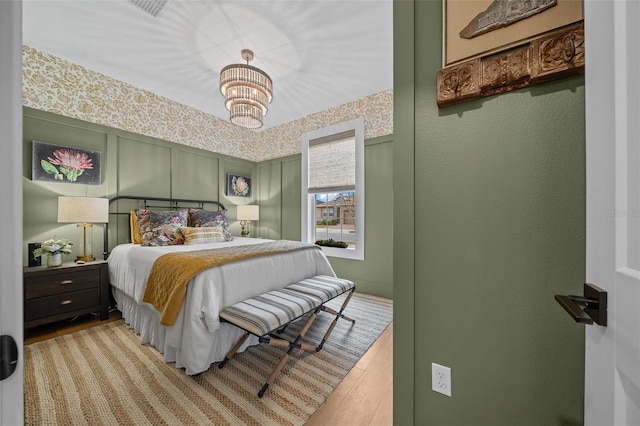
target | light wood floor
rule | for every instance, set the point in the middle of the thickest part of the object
(365, 395)
(363, 398)
(49, 331)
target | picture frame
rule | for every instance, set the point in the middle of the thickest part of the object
(511, 49)
(238, 185)
(506, 31)
(65, 164)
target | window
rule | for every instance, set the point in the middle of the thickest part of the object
(333, 187)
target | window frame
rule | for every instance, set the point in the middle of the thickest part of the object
(308, 199)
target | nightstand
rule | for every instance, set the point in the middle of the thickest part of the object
(54, 294)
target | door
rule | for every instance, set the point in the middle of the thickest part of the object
(612, 363)
(11, 387)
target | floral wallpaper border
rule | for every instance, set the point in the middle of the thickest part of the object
(55, 85)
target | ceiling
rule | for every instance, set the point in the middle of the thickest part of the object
(319, 53)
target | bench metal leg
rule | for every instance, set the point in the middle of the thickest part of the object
(272, 338)
(335, 321)
(291, 347)
(233, 350)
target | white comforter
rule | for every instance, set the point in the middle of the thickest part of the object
(197, 338)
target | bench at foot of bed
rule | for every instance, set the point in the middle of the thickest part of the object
(271, 312)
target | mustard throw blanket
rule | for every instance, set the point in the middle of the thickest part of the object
(171, 272)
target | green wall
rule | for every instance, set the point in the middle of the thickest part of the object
(132, 164)
(280, 198)
(498, 198)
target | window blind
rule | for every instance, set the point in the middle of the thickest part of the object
(332, 164)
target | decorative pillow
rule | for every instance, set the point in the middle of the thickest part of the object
(207, 218)
(161, 228)
(136, 235)
(202, 235)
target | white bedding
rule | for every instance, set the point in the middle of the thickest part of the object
(197, 339)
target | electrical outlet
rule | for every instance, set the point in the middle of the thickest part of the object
(441, 379)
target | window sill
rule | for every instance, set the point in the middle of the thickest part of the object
(344, 253)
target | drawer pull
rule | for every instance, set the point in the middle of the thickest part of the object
(66, 282)
(66, 302)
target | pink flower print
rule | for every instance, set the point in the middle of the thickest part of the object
(72, 163)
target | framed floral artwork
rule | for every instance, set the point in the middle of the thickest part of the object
(238, 186)
(64, 164)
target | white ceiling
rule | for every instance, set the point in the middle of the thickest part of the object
(319, 53)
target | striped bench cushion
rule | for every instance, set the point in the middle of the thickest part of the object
(324, 287)
(267, 312)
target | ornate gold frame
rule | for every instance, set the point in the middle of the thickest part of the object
(553, 55)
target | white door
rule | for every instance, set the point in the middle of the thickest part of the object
(11, 388)
(612, 368)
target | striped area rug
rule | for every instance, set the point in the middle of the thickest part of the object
(103, 376)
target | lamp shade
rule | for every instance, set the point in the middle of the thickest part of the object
(248, 212)
(83, 210)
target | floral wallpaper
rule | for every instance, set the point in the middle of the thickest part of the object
(61, 87)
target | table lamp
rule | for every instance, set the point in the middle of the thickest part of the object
(245, 215)
(85, 211)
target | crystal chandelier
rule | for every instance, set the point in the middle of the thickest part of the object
(247, 91)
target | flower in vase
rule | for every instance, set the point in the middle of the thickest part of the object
(53, 246)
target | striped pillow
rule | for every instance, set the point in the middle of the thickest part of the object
(207, 218)
(202, 235)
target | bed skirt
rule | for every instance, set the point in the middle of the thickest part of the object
(145, 321)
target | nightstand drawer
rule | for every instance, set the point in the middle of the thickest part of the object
(42, 307)
(47, 285)
(55, 294)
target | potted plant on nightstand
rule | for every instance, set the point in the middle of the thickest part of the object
(54, 249)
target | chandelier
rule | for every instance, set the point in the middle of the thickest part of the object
(247, 91)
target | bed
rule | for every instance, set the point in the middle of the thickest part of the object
(197, 338)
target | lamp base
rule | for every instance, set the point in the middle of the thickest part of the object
(87, 243)
(244, 226)
(86, 258)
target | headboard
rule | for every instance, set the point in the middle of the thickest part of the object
(169, 204)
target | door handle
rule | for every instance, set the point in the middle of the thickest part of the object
(8, 356)
(587, 309)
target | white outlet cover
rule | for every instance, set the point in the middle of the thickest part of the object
(441, 379)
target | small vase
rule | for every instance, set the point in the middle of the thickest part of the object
(54, 259)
